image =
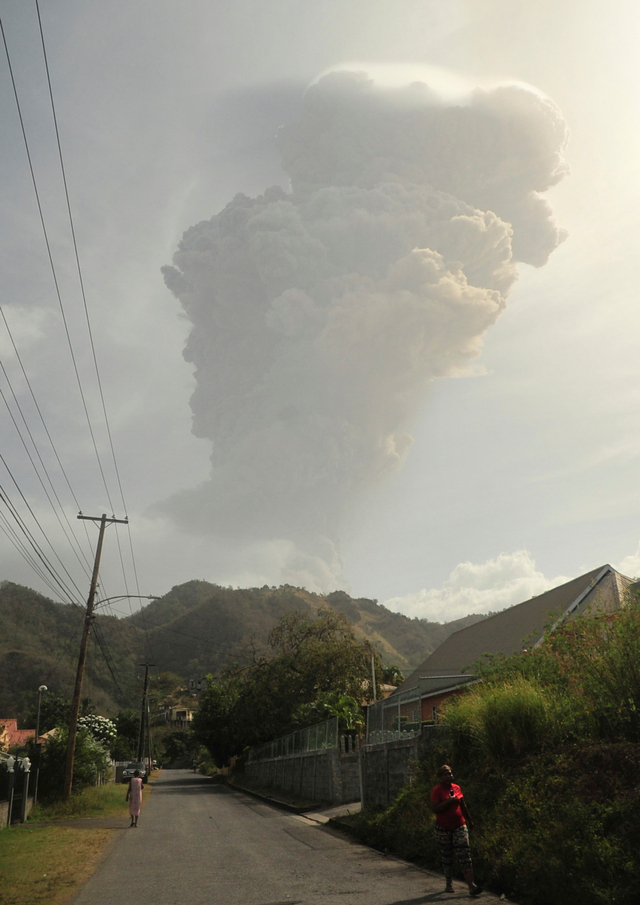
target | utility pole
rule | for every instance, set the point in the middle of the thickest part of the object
(144, 715)
(373, 678)
(88, 619)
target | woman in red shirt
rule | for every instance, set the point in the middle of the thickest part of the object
(452, 828)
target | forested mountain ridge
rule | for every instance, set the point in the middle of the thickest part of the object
(195, 629)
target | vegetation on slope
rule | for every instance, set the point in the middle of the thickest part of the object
(196, 629)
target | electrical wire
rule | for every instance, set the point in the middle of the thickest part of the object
(106, 653)
(85, 565)
(14, 538)
(33, 543)
(41, 416)
(46, 566)
(84, 297)
(89, 328)
(53, 269)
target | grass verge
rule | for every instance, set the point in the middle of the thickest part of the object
(41, 864)
(97, 801)
(46, 865)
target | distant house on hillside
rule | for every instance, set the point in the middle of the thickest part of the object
(176, 717)
(11, 736)
(449, 669)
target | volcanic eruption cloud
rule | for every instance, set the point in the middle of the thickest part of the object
(321, 314)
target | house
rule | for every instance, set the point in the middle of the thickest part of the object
(177, 717)
(11, 736)
(449, 669)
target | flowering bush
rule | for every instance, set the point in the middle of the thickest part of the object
(102, 729)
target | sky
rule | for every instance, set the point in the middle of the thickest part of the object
(360, 282)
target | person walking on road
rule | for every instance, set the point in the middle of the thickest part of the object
(453, 822)
(134, 797)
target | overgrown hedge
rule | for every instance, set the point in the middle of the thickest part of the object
(547, 751)
(554, 829)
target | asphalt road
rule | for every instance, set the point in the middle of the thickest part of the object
(198, 843)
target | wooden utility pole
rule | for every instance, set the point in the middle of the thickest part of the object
(144, 712)
(88, 619)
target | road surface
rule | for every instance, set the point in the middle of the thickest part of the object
(199, 843)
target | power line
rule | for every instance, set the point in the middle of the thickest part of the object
(86, 310)
(62, 309)
(39, 411)
(32, 541)
(77, 256)
(106, 653)
(44, 467)
(52, 265)
(15, 539)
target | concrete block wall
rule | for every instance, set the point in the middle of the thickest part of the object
(326, 775)
(386, 768)
(378, 773)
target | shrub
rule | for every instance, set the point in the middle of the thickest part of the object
(91, 760)
(502, 721)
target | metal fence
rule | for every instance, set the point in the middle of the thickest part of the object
(400, 715)
(313, 738)
(394, 718)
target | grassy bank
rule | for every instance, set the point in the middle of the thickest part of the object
(44, 864)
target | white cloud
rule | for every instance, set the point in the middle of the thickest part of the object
(485, 587)
(630, 565)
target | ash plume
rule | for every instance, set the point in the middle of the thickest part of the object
(321, 314)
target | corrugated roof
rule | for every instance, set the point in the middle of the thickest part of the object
(522, 626)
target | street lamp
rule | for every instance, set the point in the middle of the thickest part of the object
(38, 746)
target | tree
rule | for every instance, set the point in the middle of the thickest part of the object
(179, 748)
(55, 711)
(307, 660)
(128, 729)
(392, 675)
(333, 703)
(215, 722)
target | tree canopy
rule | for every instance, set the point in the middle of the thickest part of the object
(306, 660)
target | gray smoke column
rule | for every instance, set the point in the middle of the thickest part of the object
(321, 314)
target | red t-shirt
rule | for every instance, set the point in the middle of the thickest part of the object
(451, 818)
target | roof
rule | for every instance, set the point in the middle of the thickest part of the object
(522, 626)
(10, 735)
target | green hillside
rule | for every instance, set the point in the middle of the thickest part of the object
(195, 629)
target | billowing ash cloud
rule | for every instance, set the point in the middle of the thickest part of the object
(321, 314)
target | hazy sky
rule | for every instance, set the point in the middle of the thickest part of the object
(356, 441)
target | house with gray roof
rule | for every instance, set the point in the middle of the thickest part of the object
(450, 668)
